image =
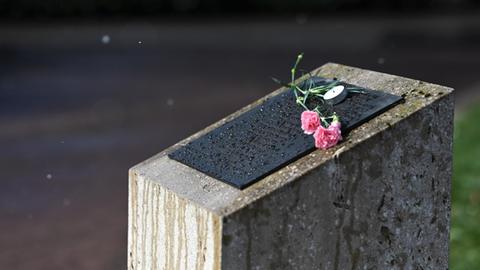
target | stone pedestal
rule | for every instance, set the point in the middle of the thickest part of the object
(378, 200)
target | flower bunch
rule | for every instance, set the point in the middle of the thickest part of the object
(324, 137)
(326, 130)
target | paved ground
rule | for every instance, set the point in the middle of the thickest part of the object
(76, 112)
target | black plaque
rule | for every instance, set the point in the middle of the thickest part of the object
(269, 136)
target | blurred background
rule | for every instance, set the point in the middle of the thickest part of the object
(90, 88)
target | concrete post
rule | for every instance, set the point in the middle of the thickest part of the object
(379, 200)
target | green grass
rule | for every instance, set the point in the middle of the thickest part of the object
(465, 232)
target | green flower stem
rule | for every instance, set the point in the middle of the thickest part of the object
(325, 122)
(335, 118)
(300, 89)
(294, 69)
(306, 97)
(303, 105)
(302, 95)
(356, 91)
(294, 90)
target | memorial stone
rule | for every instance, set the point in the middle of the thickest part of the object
(380, 199)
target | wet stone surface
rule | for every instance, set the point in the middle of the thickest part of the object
(269, 136)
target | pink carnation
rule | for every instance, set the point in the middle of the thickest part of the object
(328, 137)
(310, 121)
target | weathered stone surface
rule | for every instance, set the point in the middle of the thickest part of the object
(379, 200)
